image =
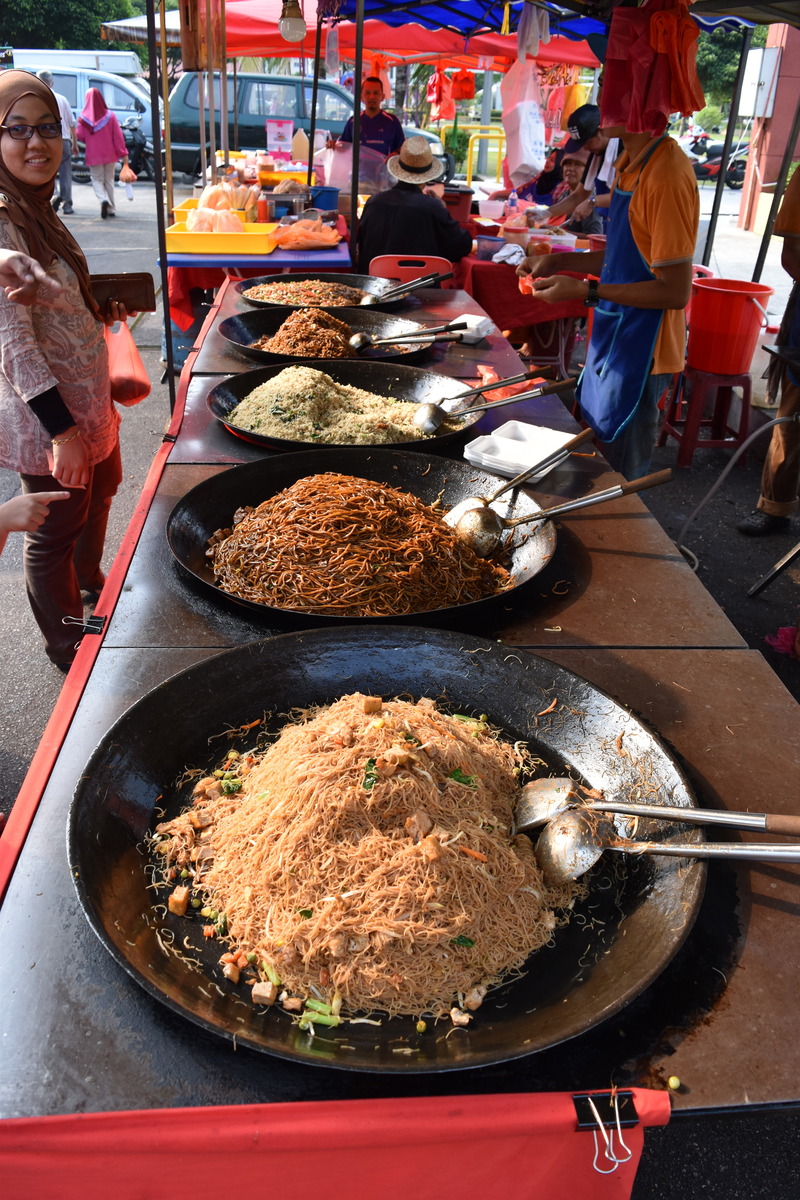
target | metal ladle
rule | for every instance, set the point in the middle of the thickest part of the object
(430, 416)
(482, 528)
(572, 843)
(403, 289)
(540, 468)
(361, 341)
(541, 800)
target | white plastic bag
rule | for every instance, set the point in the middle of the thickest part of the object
(523, 121)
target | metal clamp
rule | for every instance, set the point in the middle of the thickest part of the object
(606, 1113)
(93, 624)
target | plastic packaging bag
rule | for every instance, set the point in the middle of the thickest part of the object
(128, 376)
(523, 121)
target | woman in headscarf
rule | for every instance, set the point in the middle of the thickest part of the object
(58, 426)
(100, 133)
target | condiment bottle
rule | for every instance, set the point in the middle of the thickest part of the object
(262, 209)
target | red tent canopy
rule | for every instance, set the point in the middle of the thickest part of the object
(251, 27)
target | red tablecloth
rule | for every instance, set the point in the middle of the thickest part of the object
(495, 286)
(426, 1148)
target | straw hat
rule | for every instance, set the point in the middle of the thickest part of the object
(415, 162)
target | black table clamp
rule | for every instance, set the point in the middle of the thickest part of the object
(92, 624)
(607, 1114)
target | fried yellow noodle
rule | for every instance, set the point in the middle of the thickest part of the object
(369, 856)
(339, 545)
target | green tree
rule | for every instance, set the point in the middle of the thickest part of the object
(58, 24)
(718, 60)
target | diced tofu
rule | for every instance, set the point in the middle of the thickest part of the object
(418, 825)
(431, 848)
(264, 993)
(293, 1004)
(475, 996)
(372, 704)
(231, 971)
(178, 902)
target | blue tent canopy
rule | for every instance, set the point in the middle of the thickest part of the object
(469, 17)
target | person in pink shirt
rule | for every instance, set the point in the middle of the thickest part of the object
(100, 133)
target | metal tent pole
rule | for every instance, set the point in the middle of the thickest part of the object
(312, 128)
(747, 36)
(356, 129)
(152, 50)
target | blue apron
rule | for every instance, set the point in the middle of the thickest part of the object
(623, 338)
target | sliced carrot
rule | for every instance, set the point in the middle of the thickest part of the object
(473, 853)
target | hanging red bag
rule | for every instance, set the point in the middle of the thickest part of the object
(463, 85)
(128, 376)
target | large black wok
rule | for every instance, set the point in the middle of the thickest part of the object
(368, 283)
(620, 938)
(241, 330)
(211, 504)
(392, 380)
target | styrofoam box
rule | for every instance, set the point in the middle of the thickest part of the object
(514, 447)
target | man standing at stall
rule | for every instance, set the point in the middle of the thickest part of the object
(379, 130)
(639, 329)
(69, 144)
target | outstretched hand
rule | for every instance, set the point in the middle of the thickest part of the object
(23, 279)
(24, 514)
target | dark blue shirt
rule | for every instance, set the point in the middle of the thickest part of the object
(383, 133)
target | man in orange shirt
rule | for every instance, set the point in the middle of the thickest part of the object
(639, 328)
(780, 481)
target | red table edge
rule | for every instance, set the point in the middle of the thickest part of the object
(27, 802)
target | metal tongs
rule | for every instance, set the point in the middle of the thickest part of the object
(364, 341)
(430, 416)
(404, 289)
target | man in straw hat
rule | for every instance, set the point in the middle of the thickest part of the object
(406, 220)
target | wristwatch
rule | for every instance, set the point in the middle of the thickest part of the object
(592, 297)
(593, 200)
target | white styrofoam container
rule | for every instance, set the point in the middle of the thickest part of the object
(514, 447)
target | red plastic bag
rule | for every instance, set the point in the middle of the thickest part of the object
(463, 85)
(128, 376)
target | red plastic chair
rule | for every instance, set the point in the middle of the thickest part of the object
(406, 267)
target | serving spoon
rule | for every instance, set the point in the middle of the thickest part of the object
(541, 800)
(429, 416)
(572, 843)
(539, 468)
(482, 528)
(360, 341)
(425, 338)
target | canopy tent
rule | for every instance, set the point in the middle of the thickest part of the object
(251, 27)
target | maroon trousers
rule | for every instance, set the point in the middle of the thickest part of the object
(63, 556)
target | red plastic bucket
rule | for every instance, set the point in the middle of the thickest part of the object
(726, 318)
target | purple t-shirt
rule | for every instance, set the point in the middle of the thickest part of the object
(382, 133)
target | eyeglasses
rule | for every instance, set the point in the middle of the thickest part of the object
(24, 133)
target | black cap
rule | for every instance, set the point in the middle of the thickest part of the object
(584, 123)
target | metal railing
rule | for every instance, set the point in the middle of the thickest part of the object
(495, 135)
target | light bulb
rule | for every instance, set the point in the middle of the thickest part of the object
(291, 24)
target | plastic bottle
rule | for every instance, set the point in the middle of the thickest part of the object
(513, 204)
(262, 210)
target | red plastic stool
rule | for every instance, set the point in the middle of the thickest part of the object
(686, 412)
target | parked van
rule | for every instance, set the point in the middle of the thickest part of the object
(116, 62)
(259, 98)
(123, 97)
